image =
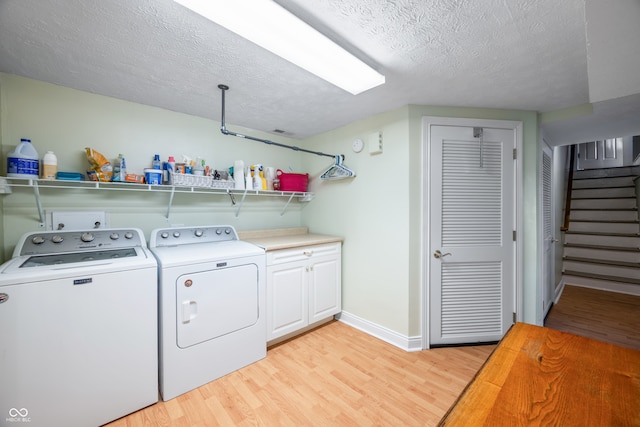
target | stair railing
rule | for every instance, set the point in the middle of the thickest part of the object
(567, 202)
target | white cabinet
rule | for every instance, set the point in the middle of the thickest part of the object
(303, 287)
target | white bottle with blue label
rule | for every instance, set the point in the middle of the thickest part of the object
(24, 161)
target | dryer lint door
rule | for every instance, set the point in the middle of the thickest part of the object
(214, 303)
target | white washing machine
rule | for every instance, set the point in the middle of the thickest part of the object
(78, 334)
(212, 305)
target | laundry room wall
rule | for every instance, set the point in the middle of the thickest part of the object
(379, 214)
(66, 121)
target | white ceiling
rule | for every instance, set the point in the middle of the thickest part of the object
(511, 54)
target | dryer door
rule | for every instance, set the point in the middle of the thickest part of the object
(215, 303)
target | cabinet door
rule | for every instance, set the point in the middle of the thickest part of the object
(325, 290)
(287, 308)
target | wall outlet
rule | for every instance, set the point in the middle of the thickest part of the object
(76, 220)
(375, 143)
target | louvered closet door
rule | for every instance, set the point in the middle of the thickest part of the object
(472, 216)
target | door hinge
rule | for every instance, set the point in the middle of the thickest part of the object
(515, 154)
(514, 317)
(514, 235)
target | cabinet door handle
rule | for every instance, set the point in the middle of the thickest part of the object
(307, 253)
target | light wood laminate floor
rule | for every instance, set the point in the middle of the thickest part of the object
(606, 316)
(332, 376)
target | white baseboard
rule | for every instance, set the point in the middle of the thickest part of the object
(387, 335)
(559, 290)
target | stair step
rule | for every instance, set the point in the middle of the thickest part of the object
(598, 233)
(609, 182)
(620, 227)
(607, 172)
(619, 203)
(612, 215)
(635, 281)
(606, 285)
(620, 272)
(603, 239)
(602, 247)
(603, 193)
(604, 262)
(603, 253)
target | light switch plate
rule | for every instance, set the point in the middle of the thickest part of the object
(375, 143)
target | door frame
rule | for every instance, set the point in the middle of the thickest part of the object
(425, 219)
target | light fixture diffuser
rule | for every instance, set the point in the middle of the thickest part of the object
(274, 28)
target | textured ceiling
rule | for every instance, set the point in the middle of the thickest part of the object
(512, 54)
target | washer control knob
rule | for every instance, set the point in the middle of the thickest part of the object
(176, 234)
(114, 236)
(218, 231)
(164, 235)
(57, 239)
(128, 235)
(87, 237)
(37, 240)
(227, 231)
(199, 232)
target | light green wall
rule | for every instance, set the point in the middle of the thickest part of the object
(66, 121)
(372, 212)
(379, 213)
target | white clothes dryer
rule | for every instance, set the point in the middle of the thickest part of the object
(78, 328)
(212, 305)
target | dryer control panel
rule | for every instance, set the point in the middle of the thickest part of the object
(189, 235)
(55, 242)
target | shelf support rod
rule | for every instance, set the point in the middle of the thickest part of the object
(233, 199)
(173, 191)
(244, 195)
(287, 205)
(36, 191)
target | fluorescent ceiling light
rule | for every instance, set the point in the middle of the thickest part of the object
(269, 25)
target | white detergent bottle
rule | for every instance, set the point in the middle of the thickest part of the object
(24, 162)
(49, 166)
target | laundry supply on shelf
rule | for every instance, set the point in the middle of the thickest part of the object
(100, 169)
(24, 161)
(119, 169)
(49, 166)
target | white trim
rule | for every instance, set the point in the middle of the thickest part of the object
(387, 335)
(517, 127)
(559, 289)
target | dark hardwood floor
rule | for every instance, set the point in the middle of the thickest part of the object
(606, 316)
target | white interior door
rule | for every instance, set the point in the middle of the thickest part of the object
(548, 235)
(607, 153)
(471, 252)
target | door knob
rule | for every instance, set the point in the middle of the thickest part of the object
(437, 254)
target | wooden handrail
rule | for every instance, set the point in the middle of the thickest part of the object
(567, 203)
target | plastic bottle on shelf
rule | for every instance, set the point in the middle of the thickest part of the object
(156, 164)
(49, 165)
(24, 161)
(248, 180)
(257, 182)
(119, 169)
(198, 168)
(238, 174)
(263, 180)
(169, 168)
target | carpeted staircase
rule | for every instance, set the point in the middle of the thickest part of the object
(602, 244)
